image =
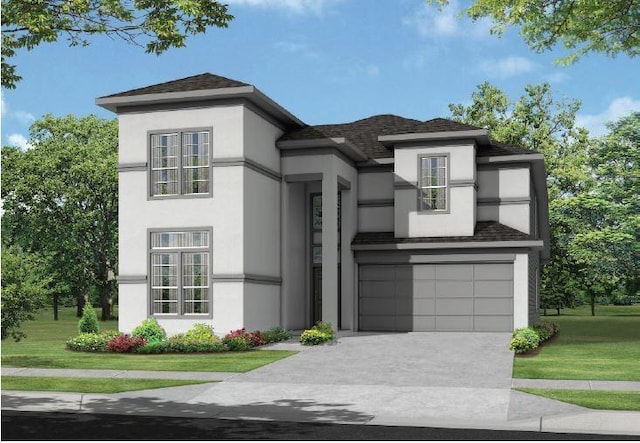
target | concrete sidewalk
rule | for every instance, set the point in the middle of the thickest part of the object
(239, 396)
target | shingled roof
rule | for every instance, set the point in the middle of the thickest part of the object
(364, 133)
(486, 231)
(193, 83)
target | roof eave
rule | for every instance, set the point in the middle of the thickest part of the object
(480, 135)
(340, 143)
(529, 244)
(249, 92)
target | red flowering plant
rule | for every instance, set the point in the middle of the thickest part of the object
(241, 340)
(126, 343)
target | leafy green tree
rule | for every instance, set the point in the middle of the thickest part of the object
(60, 200)
(24, 290)
(159, 24)
(609, 27)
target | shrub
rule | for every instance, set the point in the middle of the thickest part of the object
(326, 328)
(545, 330)
(275, 334)
(314, 337)
(524, 340)
(201, 332)
(88, 323)
(181, 344)
(241, 340)
(623, 300)
(150, 330)
(126, 343)
(154, 347)
(91, 342)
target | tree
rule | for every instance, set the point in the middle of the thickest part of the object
(24, 290)
(60, 200)
(162, 24)
(609, 27)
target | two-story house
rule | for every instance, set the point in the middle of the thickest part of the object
(235, 213)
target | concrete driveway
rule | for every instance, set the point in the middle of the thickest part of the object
(440, 379)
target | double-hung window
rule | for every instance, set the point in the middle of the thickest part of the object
(180, 272)
(433, 183)
(180, 163)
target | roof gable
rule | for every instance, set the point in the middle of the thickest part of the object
(193, 83)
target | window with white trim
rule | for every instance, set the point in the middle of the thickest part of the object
(180, 273)
(433, 183)
(180, 163)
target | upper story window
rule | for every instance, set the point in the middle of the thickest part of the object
(433, 183)
(180, 163)
(180, 272)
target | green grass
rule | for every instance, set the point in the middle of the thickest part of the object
(44, 347)
(88, 385)
(612, 400)
(604, 347)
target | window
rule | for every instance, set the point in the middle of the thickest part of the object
(180, 272)
(433, 183)
(180, 163)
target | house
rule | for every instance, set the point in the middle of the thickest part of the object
(235, 213)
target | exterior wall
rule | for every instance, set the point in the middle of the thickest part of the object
(261, 306)
(223, 212)
(505, 195)
(459, 218)
(534, 294)
(375, 218)
(521, 291)
(375, 202)
(260, 140)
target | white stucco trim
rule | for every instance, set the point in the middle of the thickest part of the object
(521, 291)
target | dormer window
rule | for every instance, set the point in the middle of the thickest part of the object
(433, 186)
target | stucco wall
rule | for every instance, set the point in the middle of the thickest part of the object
(504, 195)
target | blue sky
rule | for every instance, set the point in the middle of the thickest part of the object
(326, 61)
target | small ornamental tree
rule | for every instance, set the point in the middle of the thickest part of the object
(88, 323)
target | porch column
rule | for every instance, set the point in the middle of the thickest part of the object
(330, 249)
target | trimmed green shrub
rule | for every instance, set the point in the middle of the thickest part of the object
(154, 347)
(150, 330)
(524, 340)
(545, 330)
(201, 332)
(314, 337)
(181, 344)
(88, 323)
(275, 334)
(91, 342)
(326, 328)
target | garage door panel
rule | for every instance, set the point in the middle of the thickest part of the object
(378, 323)
(424, 288)
(456, 306)
(492, 306)
(378, 288)
(424, 323)
(377, 306)
(384, 273)
(404, 323)
(404, 273)
(448, 289)
(424, 272)
(493, 323)
(503, 289)
(418, 306)
(454, 272)
(493, 271)
(404, 289)
(454, 323)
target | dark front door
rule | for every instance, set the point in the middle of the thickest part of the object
(317, 294)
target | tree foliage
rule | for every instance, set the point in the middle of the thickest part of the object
(24, 290)
(60, 200)
(159, 24)
(609, 27)
(594, 189)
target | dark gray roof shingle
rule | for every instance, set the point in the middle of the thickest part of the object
(486, 231)
(364, 133)
(193, 83)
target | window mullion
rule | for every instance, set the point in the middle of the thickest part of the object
(180, 309)
(180, 142)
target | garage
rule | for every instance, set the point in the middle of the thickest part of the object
(436, 297)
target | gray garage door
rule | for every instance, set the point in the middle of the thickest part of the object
(436, 297)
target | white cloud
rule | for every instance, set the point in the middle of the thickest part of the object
(507, 67)
(20, 141)
(23, 117)
(298, 49)
(619, 107)
(295, 6)
(431, 21)
(558, 77)
(372, 70)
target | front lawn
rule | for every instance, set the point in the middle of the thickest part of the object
(611, 400)
(604, 347)
(89, 385)
(44, 347)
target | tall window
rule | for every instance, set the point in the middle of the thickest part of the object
(180, 272)
(180, 163)
(433, 183)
